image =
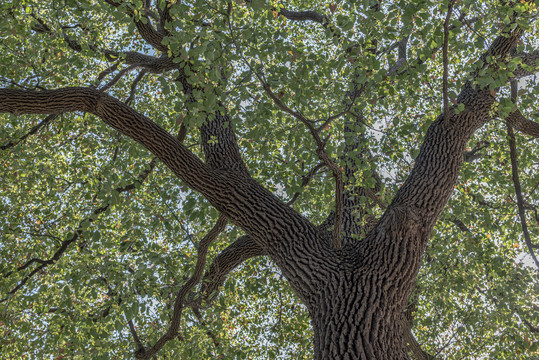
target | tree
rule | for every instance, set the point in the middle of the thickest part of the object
(135, 133)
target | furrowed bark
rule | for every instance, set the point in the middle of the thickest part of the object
(355, 296)
(116, 114)
(221, 146)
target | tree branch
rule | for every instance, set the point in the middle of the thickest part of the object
(420, 200)
(307, 15)
(135, 335)
(151, 63)
(531, 67)
(358, 198)
(35, 129)
(220, 145)
(445, 60)
(532, 328)
(402, 56)
(321, 144)
(133, 88)
(118, 76)
(145, 28)
(475, 154)
(246, 203)
(118, 115)
(164, 17)
(76, 234)
(232, 256)
(322, 155)
(526, 126)
(186, 288)
(516, 181)
(305, 180)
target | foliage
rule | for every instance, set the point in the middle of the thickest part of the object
(131, 251)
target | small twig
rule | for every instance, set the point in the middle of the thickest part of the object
(306, 179)
(32, 131)
(445, 61)
(119, 76)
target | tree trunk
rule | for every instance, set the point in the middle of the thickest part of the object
(355, 319)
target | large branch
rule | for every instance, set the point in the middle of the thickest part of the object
(235, 254)
(221, 146)
(321, 145)
(526, 126)
(436, 168)
(289, 237)
(530, 62)
(401, 236)
(118, 115)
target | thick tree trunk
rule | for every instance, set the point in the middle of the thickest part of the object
(354, 319)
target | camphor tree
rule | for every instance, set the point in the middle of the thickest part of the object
(360, 177)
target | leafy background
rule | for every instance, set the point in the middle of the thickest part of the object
(477, 294)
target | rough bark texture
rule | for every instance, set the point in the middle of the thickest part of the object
(356, 295)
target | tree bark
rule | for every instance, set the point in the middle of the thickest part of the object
(354, 318)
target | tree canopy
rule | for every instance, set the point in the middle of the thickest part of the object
(185, 179)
